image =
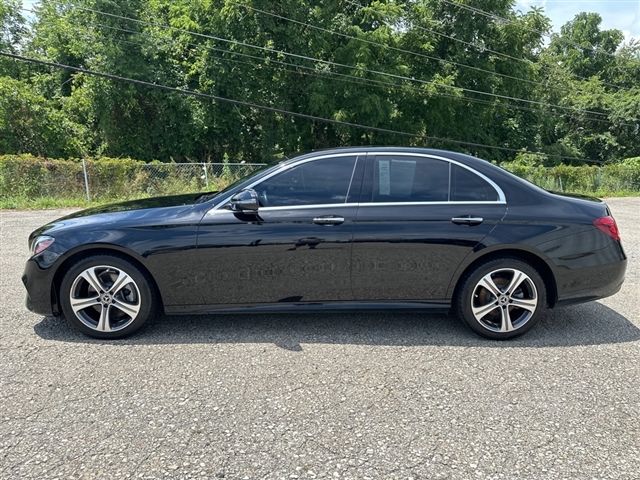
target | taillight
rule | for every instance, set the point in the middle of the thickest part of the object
(607, 225)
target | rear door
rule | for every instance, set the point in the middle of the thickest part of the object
(418, 217)
(298, 246)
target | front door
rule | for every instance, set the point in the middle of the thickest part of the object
(295, 249)
(418, 218)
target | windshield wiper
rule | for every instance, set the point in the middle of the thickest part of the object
(206, 196)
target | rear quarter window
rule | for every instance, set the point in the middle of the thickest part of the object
(466, 186)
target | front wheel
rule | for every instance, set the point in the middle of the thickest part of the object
(501, 298)
(106, 297)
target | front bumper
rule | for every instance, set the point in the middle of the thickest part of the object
(38, 281)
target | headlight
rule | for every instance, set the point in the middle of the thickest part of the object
(41, 243)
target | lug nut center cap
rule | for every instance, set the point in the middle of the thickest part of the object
(106, 299)
(503, 300)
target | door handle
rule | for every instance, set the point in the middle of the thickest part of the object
(328, 220)
(467, 220)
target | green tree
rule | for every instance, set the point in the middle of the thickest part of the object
(449, 71)
(29, 124)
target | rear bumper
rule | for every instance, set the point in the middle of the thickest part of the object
(38, 282)
(598, 276)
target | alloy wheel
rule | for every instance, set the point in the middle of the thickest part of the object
(105, 298)
(504, 300)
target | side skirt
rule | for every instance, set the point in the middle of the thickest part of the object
(308, 307)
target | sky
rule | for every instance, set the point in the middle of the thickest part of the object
(621, 14)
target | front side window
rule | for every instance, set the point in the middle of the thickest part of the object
(318, 182)
(409, 179)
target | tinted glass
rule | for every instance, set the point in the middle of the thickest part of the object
(317, 182)
(409, 179)
(466, 186)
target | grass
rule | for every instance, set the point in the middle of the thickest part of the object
(42, 203)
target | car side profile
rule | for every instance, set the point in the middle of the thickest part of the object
(345, 229)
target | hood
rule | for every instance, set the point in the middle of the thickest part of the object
(147, 211)
(142, 204)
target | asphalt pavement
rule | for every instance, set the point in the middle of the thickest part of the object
(371, 395)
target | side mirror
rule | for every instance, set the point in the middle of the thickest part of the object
(245, 200)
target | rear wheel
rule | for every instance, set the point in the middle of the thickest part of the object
(501, 298)
(106, 297)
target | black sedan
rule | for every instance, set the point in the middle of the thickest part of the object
(347, 229)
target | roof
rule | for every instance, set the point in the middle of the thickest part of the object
(460, 157)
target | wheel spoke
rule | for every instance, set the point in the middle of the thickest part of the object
(122, 280)
(104, 324)
(518, 278)
(488, 283)
(78, 304)
(526, 304)
(92, 279)
(129, 309)
(506, 325)
(480, 312)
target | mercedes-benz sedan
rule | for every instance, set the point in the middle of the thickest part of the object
(347, 229)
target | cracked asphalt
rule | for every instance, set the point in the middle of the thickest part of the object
(379, 396)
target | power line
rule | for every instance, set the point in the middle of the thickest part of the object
(359, 80)
(342, 77)
(486, 49)
(310, 71)
(383, 45)
(185, 91)
(272, 109)
(341, 65)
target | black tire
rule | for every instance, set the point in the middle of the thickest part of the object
(145, 296)
(465, 298)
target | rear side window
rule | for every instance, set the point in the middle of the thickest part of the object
(466, 186)
(409, 179)
(318, 182)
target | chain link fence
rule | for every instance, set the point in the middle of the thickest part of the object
(154, 179)
(27, 181)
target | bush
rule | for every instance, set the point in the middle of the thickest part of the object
(608, 179)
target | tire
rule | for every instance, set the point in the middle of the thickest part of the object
(490, 309)
(107, 297)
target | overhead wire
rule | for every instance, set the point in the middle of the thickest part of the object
(282, 111)
(341, 65)
(481, 48)
(383, 45)
(347, 78)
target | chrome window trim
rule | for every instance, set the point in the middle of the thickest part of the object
(370, 204)
(501, 197)
(302, 207)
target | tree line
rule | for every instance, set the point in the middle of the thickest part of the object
(480, 77)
